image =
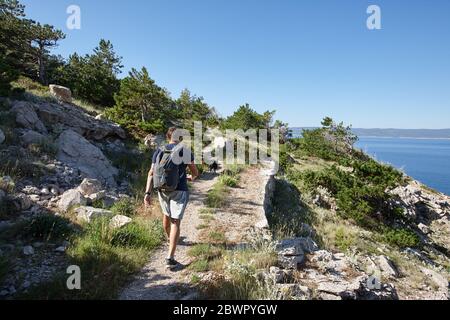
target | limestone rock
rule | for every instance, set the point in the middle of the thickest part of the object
(119, 221)
(342, 288)
(89, 213)
(89, 159)
(32, 137)
(296, 246)
(71, 198)
(437, 278)
(61, 93)
(97, 196)
(424, 228)
(89, 187)
(278, 275)
(22, 202)
(65, 116)
(153, 141)
(26, 117)
(291, 262)
(292, 291)
(28, 250)
(387, 267)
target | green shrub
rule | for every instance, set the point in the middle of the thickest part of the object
(206, 251)
(229, 181)
(401, 237)
(233, 170)
(216, 197)
(200, 265)
(343, 240)
(47, 227)
(125, 207)
(138, 235)
(106, 257)
(217, 236)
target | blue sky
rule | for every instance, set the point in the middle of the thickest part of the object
(306, 59)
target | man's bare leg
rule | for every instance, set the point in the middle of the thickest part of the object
(174, 236)
(166, 226)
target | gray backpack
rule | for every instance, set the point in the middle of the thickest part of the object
(165, 172)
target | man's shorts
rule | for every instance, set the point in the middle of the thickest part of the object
(173, 204)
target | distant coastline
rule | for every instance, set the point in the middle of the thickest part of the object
(422, 134)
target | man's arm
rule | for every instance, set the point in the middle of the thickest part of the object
(194, 172)
(149, 187)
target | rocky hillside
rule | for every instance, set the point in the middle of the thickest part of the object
(56, 173)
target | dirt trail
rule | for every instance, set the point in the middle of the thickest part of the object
(156, 282)
(242, 212)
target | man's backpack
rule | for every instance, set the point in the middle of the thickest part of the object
(165, 172)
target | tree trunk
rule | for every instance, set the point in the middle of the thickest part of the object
(41, 64)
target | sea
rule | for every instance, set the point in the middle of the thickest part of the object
(426, 160)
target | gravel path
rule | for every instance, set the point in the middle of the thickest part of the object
(156, 282)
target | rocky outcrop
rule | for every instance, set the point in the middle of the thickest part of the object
(420, 203)
(71, 198)
(89, 187)
(439, 280)
(76, 151)
(153, 141)
(65, 116)
(32, 137)
(268, 189)
(61, 93)
(27, 117)
(119, 221)
(87, 214)
(382, 265)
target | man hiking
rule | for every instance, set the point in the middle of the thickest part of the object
(168, 176)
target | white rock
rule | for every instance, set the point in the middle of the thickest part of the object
(294, 246)
(71, 198)
(387, 267)
(61, 93)
(119, 221)
(26, 117)
(89, 159)
(437, 278)
(97, 196)
(424, 228)
(61, 249)
(90, 186)
(292, 291)
(87, 214)
(28, 250)
(291, 262)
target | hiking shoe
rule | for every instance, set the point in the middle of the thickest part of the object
(171, 263)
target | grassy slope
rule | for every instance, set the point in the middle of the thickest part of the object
(106, 257)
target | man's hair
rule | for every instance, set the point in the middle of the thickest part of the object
(170, 133)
